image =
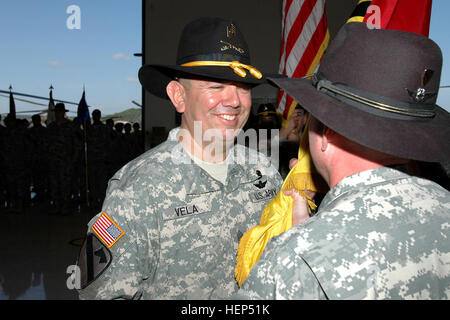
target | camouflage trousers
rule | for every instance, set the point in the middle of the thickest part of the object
(97, 173)
(60, 174)
(39, 176)
(17, 184)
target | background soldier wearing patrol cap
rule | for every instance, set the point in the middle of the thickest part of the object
(379, 233)
(173, 217)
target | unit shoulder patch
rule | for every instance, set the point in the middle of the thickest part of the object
(93, 260)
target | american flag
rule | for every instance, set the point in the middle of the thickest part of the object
(107, 230)
(305, 37)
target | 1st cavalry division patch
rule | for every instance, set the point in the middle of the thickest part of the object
(107, 230)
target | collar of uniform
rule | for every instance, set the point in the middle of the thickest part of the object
(197, 181)
(208, 184)
(360, 180)
(200, 182)
(173, 134)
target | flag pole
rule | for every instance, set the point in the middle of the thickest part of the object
(83, 116)
(86, 161)
(12, 104)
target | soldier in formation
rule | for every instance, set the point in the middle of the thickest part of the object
(39, 158)
(63, 152)
(15, 164)
(2, 173)
(97, 147)
(45, 165)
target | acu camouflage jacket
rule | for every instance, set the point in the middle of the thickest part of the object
(176, 228)
(379, 234)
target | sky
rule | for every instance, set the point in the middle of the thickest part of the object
(42, 45)
(38, 49)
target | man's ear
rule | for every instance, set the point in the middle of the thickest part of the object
(328, 135)
(176, 92)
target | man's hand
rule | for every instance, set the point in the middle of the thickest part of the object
(300, 207)
(292, 163)
(292, 125)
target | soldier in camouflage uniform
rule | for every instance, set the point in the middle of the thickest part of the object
(379, 233)
(118, 147)
(78, 180)
(2, 170)
(138, 139)
(171, 221)
(110, 134)
(15, 156)
(39, 160)
(129, 143)
(63, 150)
(97, 134)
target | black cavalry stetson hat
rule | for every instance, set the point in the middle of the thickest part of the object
(266, 109)
(379, 88)
(208, 48)
(60, 107)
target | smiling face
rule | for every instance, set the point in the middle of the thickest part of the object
(220, 106)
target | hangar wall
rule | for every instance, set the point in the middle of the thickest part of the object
(260, 22)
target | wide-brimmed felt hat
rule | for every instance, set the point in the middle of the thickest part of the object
(266, 109)
(60, 107)
(379, 88)
(211, 48)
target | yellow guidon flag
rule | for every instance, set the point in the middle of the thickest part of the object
(277, 215)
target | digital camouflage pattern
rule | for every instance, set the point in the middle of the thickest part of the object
(182, 228)
(16, 161)
(63, 148)
(378, 234)
(2, 169)
(97, 147)
(39, 160)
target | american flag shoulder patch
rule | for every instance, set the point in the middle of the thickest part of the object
(107, 230)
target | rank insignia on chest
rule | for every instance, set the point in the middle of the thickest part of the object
(107, 230)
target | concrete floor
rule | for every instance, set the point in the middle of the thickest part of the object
(35, 251)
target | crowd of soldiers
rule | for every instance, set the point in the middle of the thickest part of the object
(62, 165)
